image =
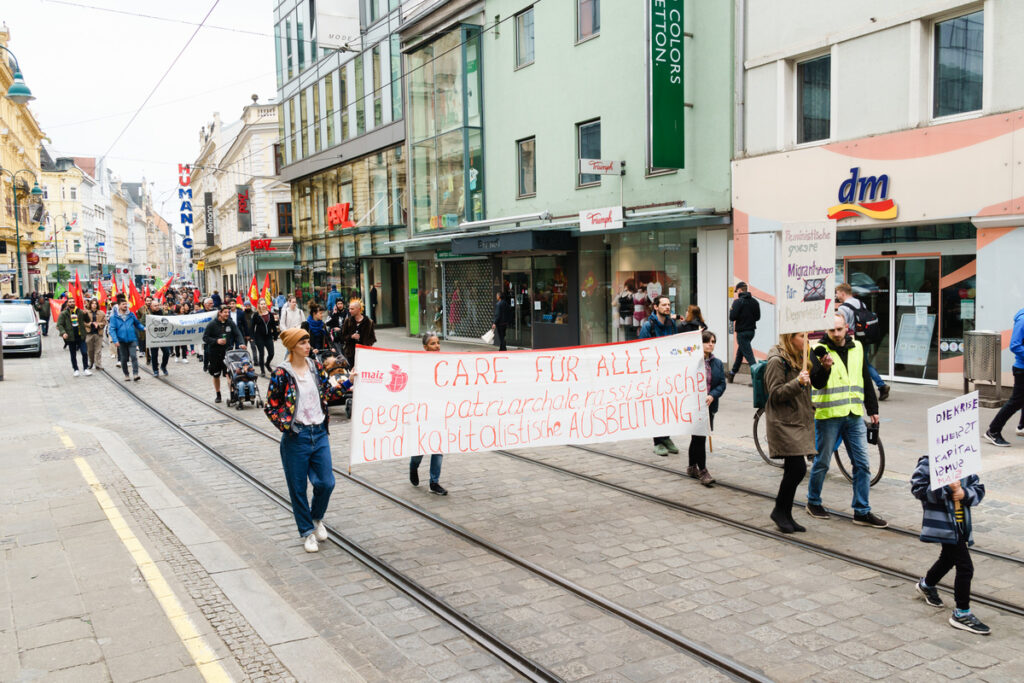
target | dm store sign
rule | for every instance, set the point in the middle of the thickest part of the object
(866, 196)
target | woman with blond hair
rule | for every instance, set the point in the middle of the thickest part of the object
(790, 420)
(357, 329)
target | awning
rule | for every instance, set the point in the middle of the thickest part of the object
(522, 240)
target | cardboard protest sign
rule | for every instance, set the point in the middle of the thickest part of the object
(175, 330)
(412, 403)
(807, 278)
(954, 444)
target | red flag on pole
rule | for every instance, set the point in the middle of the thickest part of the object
(162, 292)
(113, 288)
(146, 290)
(101, 295)
(254, 291)
(55, 309)
(134, 300)
(195, 296)
(79, 299)
(265, 294)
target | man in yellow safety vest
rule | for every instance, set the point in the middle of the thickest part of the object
(839, 413)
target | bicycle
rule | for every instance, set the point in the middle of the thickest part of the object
(876, 452)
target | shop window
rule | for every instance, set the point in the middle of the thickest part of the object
(588, 24)
(527, 167)
(588, 146)
(524, 38)
(550, 290)
(957, 76)
(959, 296)
(814, 84)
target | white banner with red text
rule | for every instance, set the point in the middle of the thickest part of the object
(414, 403)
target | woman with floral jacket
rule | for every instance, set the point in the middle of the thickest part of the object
(297, 405)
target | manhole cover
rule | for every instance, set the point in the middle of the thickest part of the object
(66, 454)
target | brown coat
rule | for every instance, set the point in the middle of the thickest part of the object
(99, 317)
(789, 413)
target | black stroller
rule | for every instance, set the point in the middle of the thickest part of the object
(241, 379)
(337, 365)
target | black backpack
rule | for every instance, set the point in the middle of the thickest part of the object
(866, 326)
(626, 306)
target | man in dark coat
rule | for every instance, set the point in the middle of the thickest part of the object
(744, 314)
(221, 334)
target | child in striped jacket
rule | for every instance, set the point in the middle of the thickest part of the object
(946, 523)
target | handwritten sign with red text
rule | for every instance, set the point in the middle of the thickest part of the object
(411, 403)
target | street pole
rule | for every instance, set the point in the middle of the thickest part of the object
(35, 191)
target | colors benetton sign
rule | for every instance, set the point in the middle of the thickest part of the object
(867, 196)
(665, 62)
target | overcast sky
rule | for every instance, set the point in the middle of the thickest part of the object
(90, 69)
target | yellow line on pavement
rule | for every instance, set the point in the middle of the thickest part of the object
(202, 654)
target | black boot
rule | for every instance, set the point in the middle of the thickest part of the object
(793, 522)
(782, 521)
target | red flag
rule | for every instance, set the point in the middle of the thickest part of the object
(265, 295)
(238, 299)
(254, 291)
(195, 296)
(101, 295)
(134, 300)
(162, 292)
(79, 299)
(55, 309)
(113, 288)
(146, 290)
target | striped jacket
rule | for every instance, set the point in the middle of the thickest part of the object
(939, 524)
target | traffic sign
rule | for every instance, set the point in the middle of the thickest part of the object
(187, 243)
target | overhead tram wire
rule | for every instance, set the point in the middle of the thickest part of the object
(159, 82)
(172, 20)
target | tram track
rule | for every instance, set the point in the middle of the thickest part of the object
(493, 644)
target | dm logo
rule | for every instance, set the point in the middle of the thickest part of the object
(866, 197)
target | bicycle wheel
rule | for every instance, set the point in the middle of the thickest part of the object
(761, 438)
(876, 461)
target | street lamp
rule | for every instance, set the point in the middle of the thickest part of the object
(36, 192)
(18, 92)
(56, 243)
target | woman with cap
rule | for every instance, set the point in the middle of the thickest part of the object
(297, 405)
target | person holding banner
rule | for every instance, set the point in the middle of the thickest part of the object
(660, 324)
(698, 468)
(790, 421)
(158, 356)
(431, 343)
(947, 520)
(297, 405)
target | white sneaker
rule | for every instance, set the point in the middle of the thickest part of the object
(88, 373)
(319, 530)
(184, 360)
(177, 360)
(310, 544)
(75, 373)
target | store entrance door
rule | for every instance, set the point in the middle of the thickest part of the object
(520, 331)
(904, 294)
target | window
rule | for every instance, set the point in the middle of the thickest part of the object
(588, 146)
(957, 75)
(360, 97)
(329, 98)
(527, 167)
(524, 38)
(378, 112)
(46, 192)
(316, 116)
(588, 19)
(396, 77)
(284, 219)
(814, 82)
(74, 193)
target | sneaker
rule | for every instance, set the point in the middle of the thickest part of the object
(883, 392)
(706, 479)
(693, 471)
(781, 522)
(969, 622)
(870, 519)
(730, 376)
(165, 373)
(994, 439)
(437, 489)
(136, 378)
(177, 360)
(127, 378)
(310, 544)
(88, 372)
(184, 360)
(672, 448)
(817, 511)
(319, 530)
(659, 449)
(931, 595)
(156, 373)
(75, 373)
(414, 477)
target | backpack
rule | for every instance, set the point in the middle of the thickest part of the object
(866, 327)
(757, 372)
(626, 306)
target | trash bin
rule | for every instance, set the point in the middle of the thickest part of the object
(983, 362)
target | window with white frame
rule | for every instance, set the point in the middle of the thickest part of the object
(524, 38)
(588, 146)
(588, 18)
(813, 99)
(74, 192)
(957, 71)
(527, 149)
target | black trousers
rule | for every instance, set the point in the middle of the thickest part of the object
(744, 350)
(500, 331)
(698, 449)
(793, 470)
(154, 355)
(1015, 403)
(264, 352)
(959, 556)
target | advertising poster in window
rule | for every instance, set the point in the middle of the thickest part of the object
(807, 279)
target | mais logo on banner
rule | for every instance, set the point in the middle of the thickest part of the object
(866, 197)
(397, 379)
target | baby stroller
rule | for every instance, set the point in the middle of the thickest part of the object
(336, 365)
(241, 379)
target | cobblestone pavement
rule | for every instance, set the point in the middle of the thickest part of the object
(793, 614)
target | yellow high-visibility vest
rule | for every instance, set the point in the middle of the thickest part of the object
(844, 393)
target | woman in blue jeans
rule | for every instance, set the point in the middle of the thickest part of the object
(297, 405)
(432, 343)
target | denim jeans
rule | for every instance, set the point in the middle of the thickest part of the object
(743, 350)
(78, 347)
(247, 388)
(306, 454)
(854, 434)
(875, 377)
(126, 350)
(435, 466)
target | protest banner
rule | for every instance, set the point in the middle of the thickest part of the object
(954, 444)
(175, 330)
(412, 403)
(807, 278)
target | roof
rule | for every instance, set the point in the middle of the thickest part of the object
(87, 164)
